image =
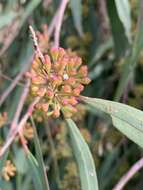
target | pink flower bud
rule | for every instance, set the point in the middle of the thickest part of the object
(76, 92)
(41, 92)
(83, 71)
(67, 89)
(56, 112)
(47, 64)
(45, 107)
(50, 93)
(72, 101)
(85, 80)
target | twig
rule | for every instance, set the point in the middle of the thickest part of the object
(20, 105)
(18, 128)
(23, 141)
(36, 46)
(15, 82)
(59, 20)
(10, 79)
(125, 178)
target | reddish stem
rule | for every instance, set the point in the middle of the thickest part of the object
(125, 178)
(58, 22)
(13, 133)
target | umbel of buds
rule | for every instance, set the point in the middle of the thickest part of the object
(8, 170)
(58, 81)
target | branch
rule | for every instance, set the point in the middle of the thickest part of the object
(58, 22)
(13, 133)
(125, 178)
(15, 82)
(36, 46)
(20, 105)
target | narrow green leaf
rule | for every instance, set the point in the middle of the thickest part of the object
(34, 171)
(76, 8)
(120, 40)
(39, 157)
(124, 13)
(83, 157)
(125, 118)
(20, 161)
(131, 60)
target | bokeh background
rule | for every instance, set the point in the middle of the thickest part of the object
(108, 38)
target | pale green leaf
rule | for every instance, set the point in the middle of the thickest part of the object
(124, 13)
(125, 118)
(83, 157)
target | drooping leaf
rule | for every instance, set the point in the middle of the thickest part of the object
(125, 118)
(118, 31)
(131, 60)
(83, 157)
(76, 8)
(34, 171)
(123, 10)
(40, 159)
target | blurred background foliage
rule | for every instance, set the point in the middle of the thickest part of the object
(105, 34)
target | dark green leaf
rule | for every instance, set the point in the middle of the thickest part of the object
(76, 8)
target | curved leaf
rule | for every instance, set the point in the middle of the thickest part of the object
(84, 158)
(125, 118)
(39, 157)
(34, 171)
(123, 10)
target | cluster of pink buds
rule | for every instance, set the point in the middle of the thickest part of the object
(58, 81)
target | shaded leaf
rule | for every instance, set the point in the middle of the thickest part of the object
(131, 60)
(20, 161)
(76, 8)
(123, 9)
(34, 171)
(120, 39)
(40, 159)
(83, 157)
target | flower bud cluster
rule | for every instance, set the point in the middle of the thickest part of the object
(58, 81)
(8, 170)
